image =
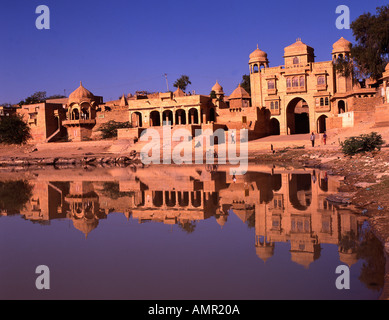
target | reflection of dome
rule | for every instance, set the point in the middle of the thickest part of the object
(80, 94)
(302, 258)
(217, 88)
(342, 45)
(221, 220)
(348, 258)
(264, 252)
(85, 225)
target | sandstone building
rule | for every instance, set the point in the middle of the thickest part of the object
(300, 96)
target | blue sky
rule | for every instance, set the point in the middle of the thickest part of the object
(119, 46)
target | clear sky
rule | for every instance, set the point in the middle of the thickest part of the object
(118, 46)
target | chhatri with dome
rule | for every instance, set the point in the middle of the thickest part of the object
(300, 96)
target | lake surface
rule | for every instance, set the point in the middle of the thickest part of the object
(174, 232)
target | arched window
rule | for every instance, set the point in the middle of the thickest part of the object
(272, 105)
(296, 60)
(321, 102)
(288, 82)
(295, 82)
(320, 80)
(302, 82)
(327, 101)
(255, 68)
(276, 105)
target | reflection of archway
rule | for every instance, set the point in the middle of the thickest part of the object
(136, 119)
(274, 127)
(158, 198)
(321, 124)
(341, 107)
(180, 117)
(195, 198)
(155, 120)
(167, 116)
(183, 198)
(300, 194)
(193, 116)
(297, 116)
(170, 198)
(212, 115)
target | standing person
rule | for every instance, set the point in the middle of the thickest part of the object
(325, 138)
(313, 139)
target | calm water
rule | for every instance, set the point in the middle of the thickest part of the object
(182, 233)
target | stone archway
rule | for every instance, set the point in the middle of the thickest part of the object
(321, 124)
(136, 119)
(274, 127)
(297, 116)
(212, 115)
(180, 117)
(155, 120)
(341, 107)
(167, 117)
(193, 116)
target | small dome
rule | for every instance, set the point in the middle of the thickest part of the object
(217, 88)
(342, 45)
(239, 93)
(80, 94)
(258, 55)
(298, 48)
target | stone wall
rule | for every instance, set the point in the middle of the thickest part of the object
(106, 116)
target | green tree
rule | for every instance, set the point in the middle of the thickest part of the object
(371, 51)
(245, 84)
(182, 82)
(14, 130)
(37, 97)
(110, 129)
(56, 96)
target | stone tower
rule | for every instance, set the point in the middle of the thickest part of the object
(258, 61)
(341, 49)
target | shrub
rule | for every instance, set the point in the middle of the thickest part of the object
(14, 130)
(110, 129)
(362, 143)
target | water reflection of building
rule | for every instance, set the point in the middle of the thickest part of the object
(282, 206)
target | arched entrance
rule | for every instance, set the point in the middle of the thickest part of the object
(167, 117)
(341, 107)
(274, 127)
(297, 116)
(180, 117)
(75, 114)
(193, 116)
(136, 119)
(321, 124)
(155, 120)
(212, 115)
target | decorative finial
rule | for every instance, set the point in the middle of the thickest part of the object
(80, 83)
(257, 46)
